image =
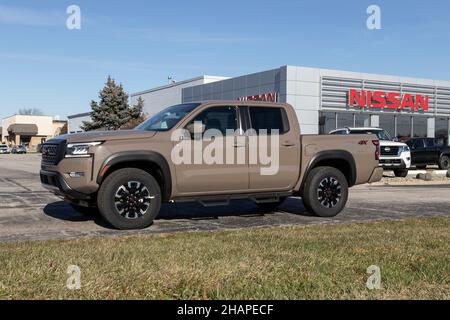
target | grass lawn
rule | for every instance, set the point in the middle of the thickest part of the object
(316, 262)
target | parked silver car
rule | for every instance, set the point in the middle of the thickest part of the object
(19, 149)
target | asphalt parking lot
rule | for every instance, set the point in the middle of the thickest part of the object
(29, 212)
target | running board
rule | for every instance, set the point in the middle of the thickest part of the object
(224, 200)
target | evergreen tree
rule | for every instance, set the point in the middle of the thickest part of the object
(113, 111)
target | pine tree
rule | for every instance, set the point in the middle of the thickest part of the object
(137, 115)
(113, 111)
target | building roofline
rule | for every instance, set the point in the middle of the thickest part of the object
(177, 84)
(26, 115)
(393, 76)
(79, 115)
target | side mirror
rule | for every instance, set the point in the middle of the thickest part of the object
(196, 127)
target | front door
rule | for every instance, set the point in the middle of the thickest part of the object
(212, 171)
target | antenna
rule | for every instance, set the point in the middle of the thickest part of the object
(170, 80)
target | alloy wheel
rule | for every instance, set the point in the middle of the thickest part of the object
(329, 192)
(132, 200)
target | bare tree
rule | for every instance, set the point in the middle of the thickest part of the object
(30, 112)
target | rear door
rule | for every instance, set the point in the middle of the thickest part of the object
(417, 147)
(276, 144)
(431, 154)
(202, 176)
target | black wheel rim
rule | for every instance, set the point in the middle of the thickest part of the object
(132, 200)
(445, 163)
(329, 192)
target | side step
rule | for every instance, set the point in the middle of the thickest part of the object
(224, 200)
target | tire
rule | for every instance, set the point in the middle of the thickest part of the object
(444, 163)
(86, 211)
(271, 206)
(314, 197)
(128, 213)
(401, 173)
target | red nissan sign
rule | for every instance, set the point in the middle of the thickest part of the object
(271, 97)
(390, 100)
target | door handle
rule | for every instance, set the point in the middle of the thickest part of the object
(239, 145)
(288, 144)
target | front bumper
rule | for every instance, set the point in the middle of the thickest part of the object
(403, 161)
(55, 182)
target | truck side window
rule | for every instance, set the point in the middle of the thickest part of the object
(429, 143)
(219, 118)
(269, 119)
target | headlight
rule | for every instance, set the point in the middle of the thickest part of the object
(80, 149)
(404, 149)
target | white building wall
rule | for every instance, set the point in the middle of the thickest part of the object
(160, 98)
(44, 124)
(75, 123)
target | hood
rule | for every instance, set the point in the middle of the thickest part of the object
(94, 136)
(391, 143)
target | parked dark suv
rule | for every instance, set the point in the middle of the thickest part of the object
(428, 151)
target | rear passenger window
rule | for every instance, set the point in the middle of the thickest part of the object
(269, 119)
(429, 143)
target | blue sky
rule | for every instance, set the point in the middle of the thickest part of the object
(44, 65)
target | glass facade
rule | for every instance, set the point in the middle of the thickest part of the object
(442, 130)
(345, 120)
(327, 122)
(419, 127)
(397, 125)
(404, 127)
(362, 120)
(387, 122)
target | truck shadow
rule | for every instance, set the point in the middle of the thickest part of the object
(192, 211)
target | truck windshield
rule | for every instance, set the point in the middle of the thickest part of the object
(381, 134)
(168, 118)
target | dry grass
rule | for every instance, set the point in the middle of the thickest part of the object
(320, 262)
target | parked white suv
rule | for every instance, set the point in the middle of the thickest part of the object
(394, 155)
(4, 149)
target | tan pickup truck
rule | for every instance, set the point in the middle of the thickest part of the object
(210, 152)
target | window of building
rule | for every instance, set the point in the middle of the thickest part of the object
(420, 127)
(345, 120)
(442, 132)
(362, 120)
(269, 119)
(387, 122)
(327, 122)
(403, 127)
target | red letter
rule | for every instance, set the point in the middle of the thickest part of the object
(369, 99)
(379, 97)
(421, 103)
(355, 95)
(393, 98)
(408, 101)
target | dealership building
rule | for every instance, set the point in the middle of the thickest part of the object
(327, 99)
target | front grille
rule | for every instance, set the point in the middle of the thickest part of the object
(389, 151)
(50, 154)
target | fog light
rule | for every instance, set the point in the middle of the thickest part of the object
(76, 174)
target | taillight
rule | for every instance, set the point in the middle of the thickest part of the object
(376, 143)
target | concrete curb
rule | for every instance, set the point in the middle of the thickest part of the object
(414, 173)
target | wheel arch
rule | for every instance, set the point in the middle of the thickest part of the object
(339, 159)
(149, 161)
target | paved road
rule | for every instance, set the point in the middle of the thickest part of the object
(28, 212)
